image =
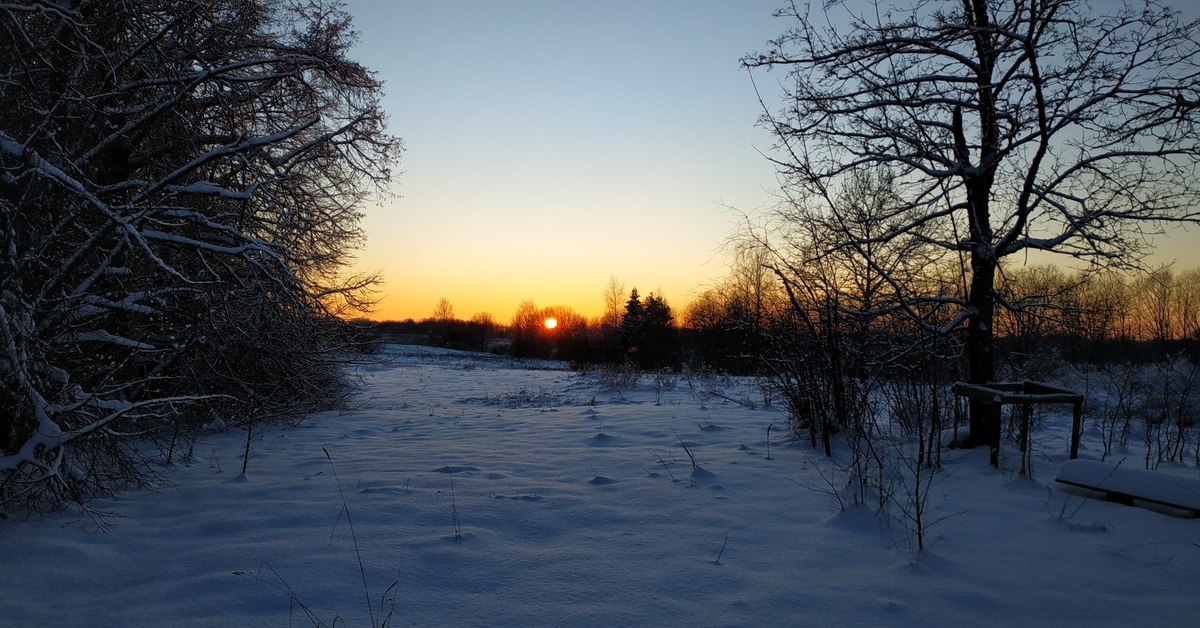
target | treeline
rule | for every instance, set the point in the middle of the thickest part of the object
(639, 331)
(1100, 318)
(1046, 314)
(1049, 315)
(478, 334)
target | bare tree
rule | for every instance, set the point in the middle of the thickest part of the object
(1036, 301)
(1154, 295)
(526, 331)
(1187, 308)
(444, 311)
(1007, 125)
(1103, 302)
(729, 320)
(614, 302)
(179, 193)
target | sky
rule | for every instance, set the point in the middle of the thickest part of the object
(551, 146)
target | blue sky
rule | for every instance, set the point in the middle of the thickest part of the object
(552, 145)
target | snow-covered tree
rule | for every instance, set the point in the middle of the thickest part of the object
(1006, 126)
(179, 193)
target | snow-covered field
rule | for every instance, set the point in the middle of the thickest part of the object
(485, 492)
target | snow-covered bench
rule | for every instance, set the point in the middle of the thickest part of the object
(1125, 485)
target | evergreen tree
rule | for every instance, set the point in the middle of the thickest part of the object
(659, 342)
(648, 333)
(631, 325)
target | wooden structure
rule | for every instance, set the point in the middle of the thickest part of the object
(1026, 393)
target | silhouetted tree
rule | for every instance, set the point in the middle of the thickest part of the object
(179, 193)
(1005, 126)
(631, 324)
(658, 344)
(608, 346)
(526, 331)
(648, 332)
(571, 338)
(613, 293)
(443, 319)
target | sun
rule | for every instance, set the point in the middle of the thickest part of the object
(551, 323)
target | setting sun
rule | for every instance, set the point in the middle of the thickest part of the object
(551, 323)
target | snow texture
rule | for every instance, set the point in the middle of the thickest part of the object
(504, 493)
(1152, 486)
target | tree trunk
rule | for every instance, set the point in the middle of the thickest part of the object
(984, 417)
(981, 356)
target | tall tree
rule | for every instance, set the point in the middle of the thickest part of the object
(631, 323)
(613, 293)
(658, 342)
(443, 312)
(179, 193)
(608, 346)
(528, 339)
(1008, 126)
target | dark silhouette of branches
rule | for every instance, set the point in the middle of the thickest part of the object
(179, 191)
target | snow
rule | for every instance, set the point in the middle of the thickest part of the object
(208, 187)
(1183, 492)
(496, 492)
(216, 425)
(99, 335)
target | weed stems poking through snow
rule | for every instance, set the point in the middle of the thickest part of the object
(249, 438)
(722, 552)
(664, 464)
(354, 539)
(691, 456)
(454, 513)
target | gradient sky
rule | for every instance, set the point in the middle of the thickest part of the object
(554, 144)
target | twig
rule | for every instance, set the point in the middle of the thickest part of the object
(664, 464)
(454, 512)
(722, 552)
(690, 455)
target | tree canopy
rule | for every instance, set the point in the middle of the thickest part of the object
(179, 194)
(1000, 126)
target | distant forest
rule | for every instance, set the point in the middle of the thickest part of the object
(1048, 316)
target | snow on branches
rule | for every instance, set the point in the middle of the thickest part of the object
(179, 187)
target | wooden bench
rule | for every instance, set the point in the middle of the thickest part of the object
(1126, 485)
